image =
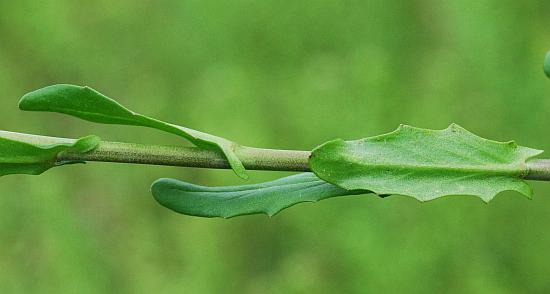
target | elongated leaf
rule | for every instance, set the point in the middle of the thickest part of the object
(23, 154)
(88, 104)
(425, 164)
(268, 198)
(547, 64)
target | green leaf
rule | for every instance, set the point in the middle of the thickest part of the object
(425, 164)
(268, 198)
(29, 154)
(547, 64)
(88, 104)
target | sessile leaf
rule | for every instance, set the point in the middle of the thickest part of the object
(30, 154)
(88, 104)
(268, 198)
(425, 164)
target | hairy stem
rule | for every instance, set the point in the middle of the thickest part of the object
(252, 158)
(538, 169)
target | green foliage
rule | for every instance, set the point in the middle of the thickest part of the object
(547, 64)
(268, 198)
(88, 104)
(22, 154)
(283, 69)
(425, 164)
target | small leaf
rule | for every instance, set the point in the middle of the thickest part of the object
(547, 64)
(268, 198)
(88, 104)
(425, 164)
(23, 154)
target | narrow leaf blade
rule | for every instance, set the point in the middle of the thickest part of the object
(23, 154)
(268, 198)
(425, 164)
(88, 104)
(547, 64)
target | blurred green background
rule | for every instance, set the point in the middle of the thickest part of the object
(280, 74)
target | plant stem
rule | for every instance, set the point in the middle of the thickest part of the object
(538, 169)
(252, 158)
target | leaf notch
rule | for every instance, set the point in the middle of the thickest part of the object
(425, 164)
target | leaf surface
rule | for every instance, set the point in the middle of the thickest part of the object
(88, 104)
(23, 154)
(425, 164)
(268, 198)
(547, 64)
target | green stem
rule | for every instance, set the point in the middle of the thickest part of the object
(252, 158)
(538, 169)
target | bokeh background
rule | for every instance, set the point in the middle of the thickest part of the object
(280, 74)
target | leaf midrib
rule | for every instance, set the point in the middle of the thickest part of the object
(71, 111)
(504, 169)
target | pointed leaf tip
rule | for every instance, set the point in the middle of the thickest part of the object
(425, 164)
